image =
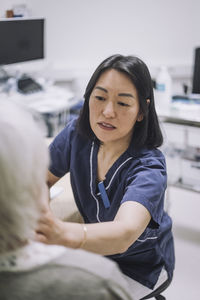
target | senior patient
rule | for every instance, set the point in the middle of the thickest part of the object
(29, 269)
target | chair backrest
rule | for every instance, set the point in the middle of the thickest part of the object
(157, 293)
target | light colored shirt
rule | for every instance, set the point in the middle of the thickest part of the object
(39, 271)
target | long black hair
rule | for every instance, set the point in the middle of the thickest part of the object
(146, 132)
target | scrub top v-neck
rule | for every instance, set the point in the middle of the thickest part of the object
(109, 183)
(135, 176)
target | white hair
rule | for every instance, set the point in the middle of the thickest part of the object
(23, 170)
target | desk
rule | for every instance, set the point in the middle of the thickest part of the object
(52, 104)
(180, 113)
(52, 99)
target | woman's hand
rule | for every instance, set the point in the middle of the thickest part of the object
(51, 230)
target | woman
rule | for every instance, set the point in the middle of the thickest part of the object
(118, 176)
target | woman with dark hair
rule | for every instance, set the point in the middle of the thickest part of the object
(147, 132)
(118, 176)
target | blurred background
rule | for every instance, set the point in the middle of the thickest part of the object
(76, 35)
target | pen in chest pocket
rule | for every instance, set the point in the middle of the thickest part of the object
(103, 194)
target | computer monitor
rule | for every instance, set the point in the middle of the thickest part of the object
(196, 72)
(21, 40)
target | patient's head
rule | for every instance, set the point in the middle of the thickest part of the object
(23, 169)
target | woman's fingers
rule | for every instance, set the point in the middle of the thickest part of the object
(39, 237)
(49, 229)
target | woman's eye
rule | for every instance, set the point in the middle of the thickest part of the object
(123, 104)
(100, 98)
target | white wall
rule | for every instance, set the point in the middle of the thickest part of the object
(160, 31)
(80, 33)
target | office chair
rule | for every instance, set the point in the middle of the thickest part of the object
(157, 293)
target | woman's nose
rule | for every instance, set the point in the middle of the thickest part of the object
(109, 111)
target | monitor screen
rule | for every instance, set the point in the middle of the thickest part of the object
(21, 40)
(196, 72)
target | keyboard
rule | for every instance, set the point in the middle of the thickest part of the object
(27, 85)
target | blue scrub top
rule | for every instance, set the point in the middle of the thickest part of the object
(136, 176)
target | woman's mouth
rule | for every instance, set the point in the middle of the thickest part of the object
(106, 126)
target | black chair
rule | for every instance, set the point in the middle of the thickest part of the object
(157, 293)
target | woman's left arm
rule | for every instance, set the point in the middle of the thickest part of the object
(104, 238)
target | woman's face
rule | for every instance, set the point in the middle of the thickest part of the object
(114, 107)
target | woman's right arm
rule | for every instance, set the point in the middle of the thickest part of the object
(51, 179)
